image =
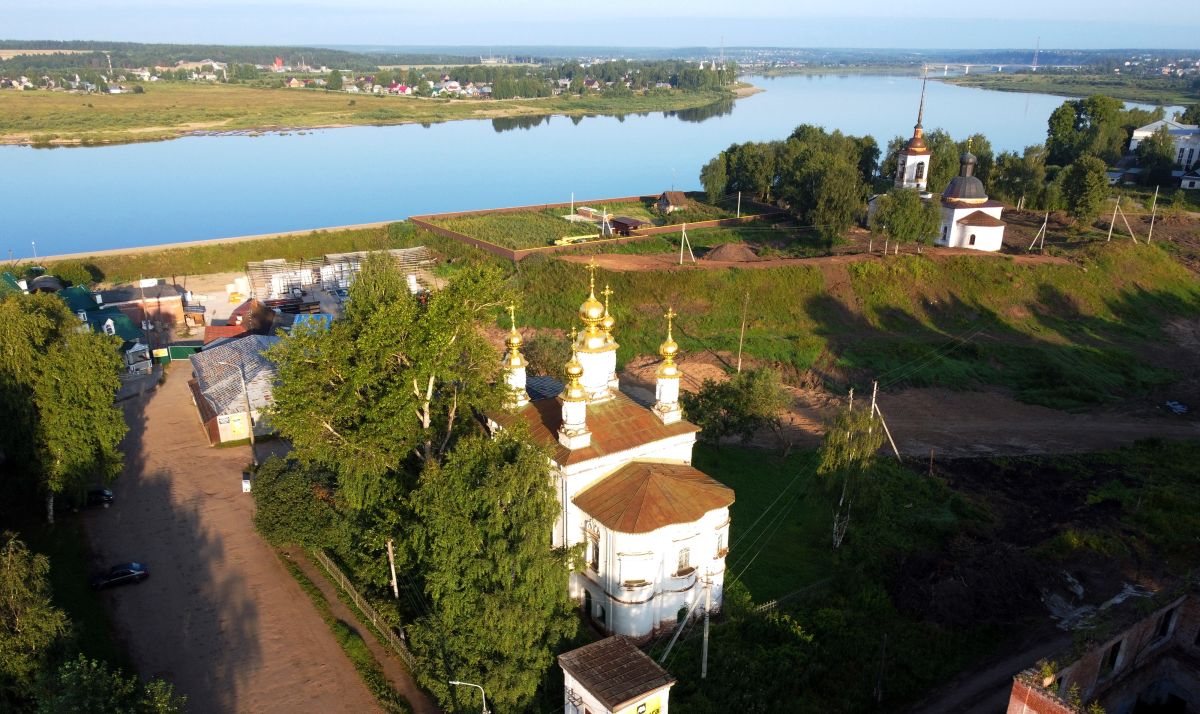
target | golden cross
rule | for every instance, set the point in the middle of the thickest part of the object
(606, 292)
(670, 315)
(591, 267)
(970, 143)
(512, 315)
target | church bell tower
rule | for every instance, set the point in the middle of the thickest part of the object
(913, 169)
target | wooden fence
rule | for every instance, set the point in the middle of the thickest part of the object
(381, 625)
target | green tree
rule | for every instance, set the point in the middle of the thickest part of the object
(904, 218)
(56, 399)
(1085, 187)
(944, 159)
(546, 353)
(497, 592)
(29, 623)
(1097, 125)
(838, 199)
(1021, 178)
(1156, 157)
(334, 83)
(713, 178)
(294, 504)
(847, 455)
(392, 383)
(745, 403)
(78, 427)
(88, 685)
(1191, 115)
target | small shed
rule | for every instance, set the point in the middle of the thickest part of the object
(671, 201)
(1190, 180)
(611, 676)
(624, 225)
(226, 378)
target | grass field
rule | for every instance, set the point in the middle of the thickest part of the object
(170, 109)
(537, 228)
(1165, 91)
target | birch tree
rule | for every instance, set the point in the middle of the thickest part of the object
(849, 450)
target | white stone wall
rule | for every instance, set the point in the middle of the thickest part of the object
(638, 586)
(906, 172)
(953, 235)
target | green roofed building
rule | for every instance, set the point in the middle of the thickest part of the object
(9, 284)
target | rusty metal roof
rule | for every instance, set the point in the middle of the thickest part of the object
(644, 496)
(979, 218)
(614, 671)
(618, 424)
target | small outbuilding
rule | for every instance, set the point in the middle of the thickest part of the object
(624, 225)
(1190, 180)
(671, 201)
(228, 378)
(612, 676)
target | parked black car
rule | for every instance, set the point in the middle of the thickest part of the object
(123, 574)
(95, 497)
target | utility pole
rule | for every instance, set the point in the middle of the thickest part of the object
(1113, 222)
(34, 244)
(707, 607)
(1153, 209)
(742, 335)
(572, 202)
(739, 205)
(392, 564)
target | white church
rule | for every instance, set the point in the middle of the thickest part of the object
(969, 218)
(655, 530)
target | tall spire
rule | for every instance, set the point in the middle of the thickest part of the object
(921, 109)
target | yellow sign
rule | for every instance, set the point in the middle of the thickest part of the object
(653, 705)
(160, 352)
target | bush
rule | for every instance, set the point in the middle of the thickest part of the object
(294, 505)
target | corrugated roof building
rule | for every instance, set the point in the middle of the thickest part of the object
(225, 377)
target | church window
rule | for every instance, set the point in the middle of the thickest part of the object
(594, 554)
(920, 170)
(1179, 158)
(685, 561)
(972, 241)
(945, 232)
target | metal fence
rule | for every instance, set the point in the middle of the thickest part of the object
(381, 625)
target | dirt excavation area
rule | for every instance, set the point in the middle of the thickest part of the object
(219, 617)
(949, 423)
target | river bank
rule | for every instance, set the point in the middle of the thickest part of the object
(1165, 92)
(172, 110)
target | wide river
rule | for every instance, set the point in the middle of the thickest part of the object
(70, 200)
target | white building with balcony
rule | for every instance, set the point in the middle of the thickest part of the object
(1185, 137)
(655, 530)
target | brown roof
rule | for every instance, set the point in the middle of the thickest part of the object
(614, 671)
(219, 332)
(618, 424)
(644, 496)
(675, 198)
(979, 218)
(627, 221)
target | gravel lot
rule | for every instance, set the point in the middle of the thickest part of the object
(219, 617)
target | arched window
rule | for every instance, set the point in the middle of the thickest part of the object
(920, 170)
(945, 232)
(972, 241)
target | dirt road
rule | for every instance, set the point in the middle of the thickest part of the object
(219, 617)
(619, 262)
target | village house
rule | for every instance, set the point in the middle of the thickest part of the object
(1185, 137)
(671, 201)
(231, 387)
(613, 676)
(654, 529)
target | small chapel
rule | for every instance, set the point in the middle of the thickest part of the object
(969, 219)
(654, 529)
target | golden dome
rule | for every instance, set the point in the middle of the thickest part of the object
(573, 391)
(513, 341)
(669, 348)
(608, 322)
(592, 310)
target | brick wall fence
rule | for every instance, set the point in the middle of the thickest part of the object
(519, 254)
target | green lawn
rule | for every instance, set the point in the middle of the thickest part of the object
(787, 549)
(537, 228)
(1148, 90)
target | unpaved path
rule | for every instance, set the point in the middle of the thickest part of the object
(391, 665)
(619, 262)
(219, 617)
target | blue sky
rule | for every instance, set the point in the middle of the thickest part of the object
(797, 23)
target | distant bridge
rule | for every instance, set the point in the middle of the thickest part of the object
(966, 67)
